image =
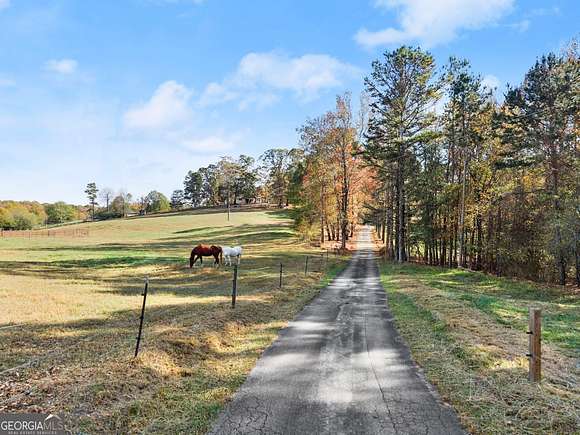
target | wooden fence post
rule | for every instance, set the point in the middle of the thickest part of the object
(235, 286)
(535, 344)
(306, 266)
(142, 316)
(280, 275)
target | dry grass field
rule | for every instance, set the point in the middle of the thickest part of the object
(69, 312)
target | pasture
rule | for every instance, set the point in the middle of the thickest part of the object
(69, 310)
(468, 332)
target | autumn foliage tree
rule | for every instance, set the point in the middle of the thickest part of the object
(333, 175)
(463, 180)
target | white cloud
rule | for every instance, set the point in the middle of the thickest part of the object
(521, 26)
(168, 107)
(216, 93)
(433, 22)
(259, 76)
(491, 82)
(4, 4)
(212, 144)
(168, 117)
(305, 75)
(61, 66)
(540, 12)
(258, 100)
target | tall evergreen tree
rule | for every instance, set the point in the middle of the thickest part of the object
(539, 127)
(401, 90)
(92, 192)
(466, 101)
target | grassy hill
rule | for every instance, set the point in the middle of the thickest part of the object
(70, 307)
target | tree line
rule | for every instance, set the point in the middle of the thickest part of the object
(232, 181)
(25, 215)
(104, 203)
(448, 174)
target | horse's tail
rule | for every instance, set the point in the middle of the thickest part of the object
(221, 255)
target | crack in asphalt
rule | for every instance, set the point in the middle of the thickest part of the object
(340, 367)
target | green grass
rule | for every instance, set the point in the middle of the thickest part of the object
(77, 303)
(508, 301)
(467, 331)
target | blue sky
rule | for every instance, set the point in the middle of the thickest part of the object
(132, 94)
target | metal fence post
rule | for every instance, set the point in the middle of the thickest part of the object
(306, 266)
(281, 268)
(235, 286)
(144, 294)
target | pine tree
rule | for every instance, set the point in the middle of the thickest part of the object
(401, 90)
(92, 192)
(539, 126)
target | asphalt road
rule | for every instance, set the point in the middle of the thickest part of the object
(339, 367)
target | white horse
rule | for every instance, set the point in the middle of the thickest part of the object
(229, 252)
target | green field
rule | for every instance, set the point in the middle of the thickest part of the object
(69, 311)
(468, 332)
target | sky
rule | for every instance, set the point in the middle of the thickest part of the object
(132, 94)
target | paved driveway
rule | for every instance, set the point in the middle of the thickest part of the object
(339, 368)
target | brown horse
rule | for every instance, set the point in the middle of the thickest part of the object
(201, 251)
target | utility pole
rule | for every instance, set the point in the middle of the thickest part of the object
(228, 201)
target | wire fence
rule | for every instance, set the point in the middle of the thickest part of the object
(29, 234)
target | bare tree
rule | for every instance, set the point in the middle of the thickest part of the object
(106, 195)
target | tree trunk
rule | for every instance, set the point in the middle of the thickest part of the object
(577, 257)
(462, 212)
(560, 257)
(479, 241)
(322, 216)
(498, 259)
(345, 194)
(389, 225)
(400, 214)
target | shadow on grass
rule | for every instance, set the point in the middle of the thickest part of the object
(254, 238)
(507, 300)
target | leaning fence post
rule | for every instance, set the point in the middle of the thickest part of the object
(306, 266)
(535, 344)
(144, 294)
(235, 286)
(281, 267)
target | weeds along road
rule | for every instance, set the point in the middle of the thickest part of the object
(339, 368)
